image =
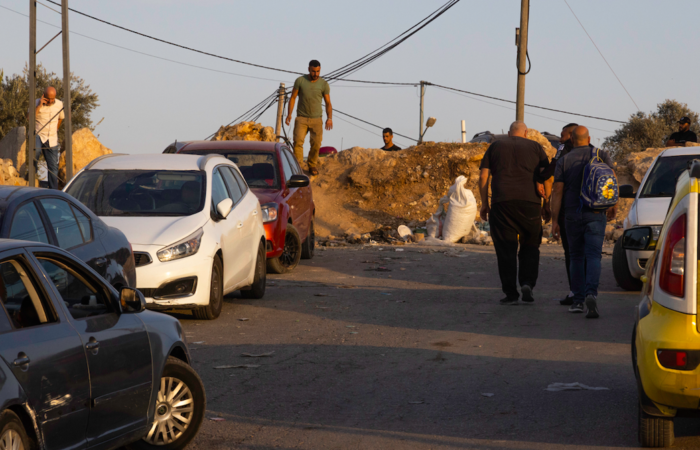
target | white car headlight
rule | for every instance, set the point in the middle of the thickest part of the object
(269, 212)
(183, 248)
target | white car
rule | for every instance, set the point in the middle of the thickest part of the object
(195, 227)
(649, 209)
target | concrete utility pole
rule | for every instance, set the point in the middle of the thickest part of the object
(521, 42)
(280, 111)
(31, 117)
(464, 132)
(67, 122)
(422, 98)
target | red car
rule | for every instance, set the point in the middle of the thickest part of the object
(283, 190)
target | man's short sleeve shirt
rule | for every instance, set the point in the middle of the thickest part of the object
(684, 136)
(310, 96)
(47, 121)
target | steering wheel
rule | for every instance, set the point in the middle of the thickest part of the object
(139, 196)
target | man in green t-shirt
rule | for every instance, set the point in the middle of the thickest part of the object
(310, 89)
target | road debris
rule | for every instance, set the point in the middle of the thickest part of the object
(240, 366)
(199, 342)
(557, 387)
(487, 394)
(243, 319)
(261, 355)
(419, 402)
(217, 419)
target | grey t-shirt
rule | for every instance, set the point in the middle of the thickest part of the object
(569, 171)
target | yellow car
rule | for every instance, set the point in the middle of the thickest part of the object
(666, 337)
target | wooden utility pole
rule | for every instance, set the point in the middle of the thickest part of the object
(280, 111)
(422, 101)
(67, 122)
(464, 132)
(31, 117)
(521, 37)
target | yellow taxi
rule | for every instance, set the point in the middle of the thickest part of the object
(666, 337)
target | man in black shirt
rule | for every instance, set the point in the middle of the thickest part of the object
(515, 165)
(683, 135)
(388, 136)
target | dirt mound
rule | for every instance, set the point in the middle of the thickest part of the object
(245, 131)
(361, 189)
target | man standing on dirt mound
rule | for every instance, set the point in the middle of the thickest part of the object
(311, 89)
(515, 165)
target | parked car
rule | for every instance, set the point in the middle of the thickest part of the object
(287, 201)
(54, 217)
(648, 210)
(665, 339)
(490, 138)
(85, 366)
(195, 226)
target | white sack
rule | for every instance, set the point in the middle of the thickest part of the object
(461, 212)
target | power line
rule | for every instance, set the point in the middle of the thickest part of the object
(370, 123)
(601, 55)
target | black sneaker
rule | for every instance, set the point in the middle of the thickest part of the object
(576, 308)
(509, 301)
(592, 307)
(527, 293)
(567, 301)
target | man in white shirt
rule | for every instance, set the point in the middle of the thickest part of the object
(49, 116)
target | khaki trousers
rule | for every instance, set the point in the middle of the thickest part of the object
(303, 125)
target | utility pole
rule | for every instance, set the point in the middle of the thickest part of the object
(67, 122)
(464, 132)
(31, 117)
(422, 98)
(280, 111)
(521, 42)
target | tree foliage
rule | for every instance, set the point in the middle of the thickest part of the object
(644, 131)
(14, 99)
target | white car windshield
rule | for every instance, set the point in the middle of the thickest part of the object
(661, 181)
(140, 192)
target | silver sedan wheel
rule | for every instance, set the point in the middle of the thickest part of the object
(174, 409)
(11, 440)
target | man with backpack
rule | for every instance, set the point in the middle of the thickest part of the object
(585, 180)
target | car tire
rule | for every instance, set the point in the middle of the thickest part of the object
(309, 244)
(655, 431)
(12, 431)
(291, 254)
(216, 293)
(175, 371)
(257, 289)
(621, 270)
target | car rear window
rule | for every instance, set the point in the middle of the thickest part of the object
(258, 168)
(661, 181)
(149, 193)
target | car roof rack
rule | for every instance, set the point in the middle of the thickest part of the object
(205, 159)
(100, 158)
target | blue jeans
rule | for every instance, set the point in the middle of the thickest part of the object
(586, 233)
(51, 157)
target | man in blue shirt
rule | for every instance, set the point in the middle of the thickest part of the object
(585, 227)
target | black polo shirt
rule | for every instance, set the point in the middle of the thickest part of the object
(393, 148)
(684, 136)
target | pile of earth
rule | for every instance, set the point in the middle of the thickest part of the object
(245, 131)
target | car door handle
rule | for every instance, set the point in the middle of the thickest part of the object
(23, 360)
(100, 262)
(240, 225)
(255, 213)
(93, 345)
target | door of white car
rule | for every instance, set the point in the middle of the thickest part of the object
(249, 206)
(231, 231)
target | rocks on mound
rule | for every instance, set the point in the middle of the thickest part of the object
(86, 147)
(245, 131)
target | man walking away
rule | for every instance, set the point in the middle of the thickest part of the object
(564, 149)
(515, 165)
(310, 89)
(585, 227)
(683, 135)
(49, 116)
(388, 136)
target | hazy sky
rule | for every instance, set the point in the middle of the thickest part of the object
(147, 102)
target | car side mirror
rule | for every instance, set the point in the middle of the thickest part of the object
(132, 300)
(298, 181)
(626, 191)
(636, 238)
(224, 207)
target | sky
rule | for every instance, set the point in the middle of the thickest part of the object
(147, 102)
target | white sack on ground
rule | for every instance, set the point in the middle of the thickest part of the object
(461, 212)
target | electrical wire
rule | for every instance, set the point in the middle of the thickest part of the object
(601, 55)
(254, 108)
(370, 123)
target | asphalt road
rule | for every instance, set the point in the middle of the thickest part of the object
(403, 359)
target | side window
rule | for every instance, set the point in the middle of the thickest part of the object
(218, 188)
(83, 223)
(27, 225)
(286, 167)
(241, 182)
(81, 298)
(232, 184)
(292, 161)
(64, 223)
(23, 303)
